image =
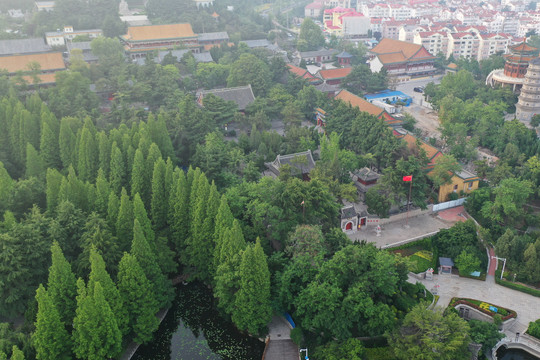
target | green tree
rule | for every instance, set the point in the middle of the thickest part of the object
(124, 221)
(139, 213)
(34, 164)
(221, 111)
(16, 354)
(6, 184)
(137, 295)
(427, 334)
(139, 183)
(159, 204)
(95, 331)
(179, 218)
(223, 222)
(51, 340)
(99, 274)
(67, 140)
(249, 70)
(117, 170)
(252, 304)
(485, 333)
(54, 180)
(352, 349)
(146, 258)
(467, 263)
(311, 36)
(443, 171)
(227, 276)
(510, 197)
(62, 285)
(48, 146)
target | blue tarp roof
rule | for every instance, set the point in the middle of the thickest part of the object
(384, 94)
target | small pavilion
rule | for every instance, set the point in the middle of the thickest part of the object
(344, 58)
(446, 265)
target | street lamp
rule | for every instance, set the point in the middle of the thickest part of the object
(307, 358)
(504, 263)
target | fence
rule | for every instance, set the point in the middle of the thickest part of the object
(448, 204)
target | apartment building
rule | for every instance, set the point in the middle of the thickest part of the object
(463, 44)
(434, 41)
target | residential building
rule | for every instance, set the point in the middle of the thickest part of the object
(463, 44)
(390, 29)
(314, 9)
(462, 182)
(59, 38)
(401, 60)
(241, 95)
(407, 32)
(15, 13)
(204, 3)
(491, 44)
(135, 20)
(140, 40)
(433, 41)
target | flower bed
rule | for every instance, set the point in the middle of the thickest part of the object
(484, 307)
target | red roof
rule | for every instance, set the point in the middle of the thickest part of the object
(314, 5)
(335, 73)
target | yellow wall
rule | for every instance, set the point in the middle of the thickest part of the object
(445, 190)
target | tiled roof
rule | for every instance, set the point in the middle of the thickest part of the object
(294, 161)
(339, 73)
(221, 35)
(47, 61)
(523, 47)
(314, 5)
(431, 151)
(44, 79)
(241, 95)
(23, 46)
(392, 58)
(358, 102)
(387, 46)
(156, 32)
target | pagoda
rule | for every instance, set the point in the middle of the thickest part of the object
(515, 67)
(529, 100)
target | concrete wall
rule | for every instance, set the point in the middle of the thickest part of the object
(403, 216)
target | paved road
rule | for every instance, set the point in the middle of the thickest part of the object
(526, 306)
(280, 346)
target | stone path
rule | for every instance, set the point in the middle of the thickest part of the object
(280, 345)
(526, 306)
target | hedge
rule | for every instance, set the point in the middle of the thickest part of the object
(518, 287)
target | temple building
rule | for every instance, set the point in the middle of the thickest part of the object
(515, 67)
(529, 99)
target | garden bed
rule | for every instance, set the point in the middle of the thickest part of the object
(484, 307)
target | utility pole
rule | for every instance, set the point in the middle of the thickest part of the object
(306, 350)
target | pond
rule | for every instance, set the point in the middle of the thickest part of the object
(514, 354)
(194, 330)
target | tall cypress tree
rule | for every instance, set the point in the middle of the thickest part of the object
(99, 274)
(159, 204)
(117, 169)
(113, 206)
(252, 311)
(51, 339)
(54, 180)
(138, 297)
(88, 156)
(34, 163)
(146, 258)
(49, 150)
(224, 221)
(62, 285)
(104, 147)
(227, 278)
(96, 335)
(139, 182)
(139, 213)
(199, 244)
(103, 190)
(124, 222)
(66, 142)
(179, 218)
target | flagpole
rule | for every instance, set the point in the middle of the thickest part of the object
(408, 205)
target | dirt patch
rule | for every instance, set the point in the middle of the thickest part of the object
(427, 120)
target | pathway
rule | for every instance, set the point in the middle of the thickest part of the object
(279, 345)
(526, 306)
(490, 277)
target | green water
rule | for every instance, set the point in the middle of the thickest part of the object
(514, 354)
(194, 330)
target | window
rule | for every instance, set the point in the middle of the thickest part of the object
(455, 188)
(469, 186)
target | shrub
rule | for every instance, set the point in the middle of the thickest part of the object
(379, 353)
(297, 336)
(534, 329)
(516, 286)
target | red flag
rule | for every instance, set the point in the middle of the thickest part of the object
(407, 178)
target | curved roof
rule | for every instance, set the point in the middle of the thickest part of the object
(156, 32)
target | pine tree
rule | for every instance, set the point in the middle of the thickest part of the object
(124, 222)
(96, 335)
(227, 278)
(51, 340)
(162, 287)
(117, 170)
(224, 221)
(137, 295)
(159, 204)
(98, 235)
(99, 274)
(49, 150)
(154, 154)
(139, 182)
(6, 184)
(139, 213)
(62, 285)
(88, 155)
(252, 310)
(34, 164)
(67, 141)
(54, 180)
